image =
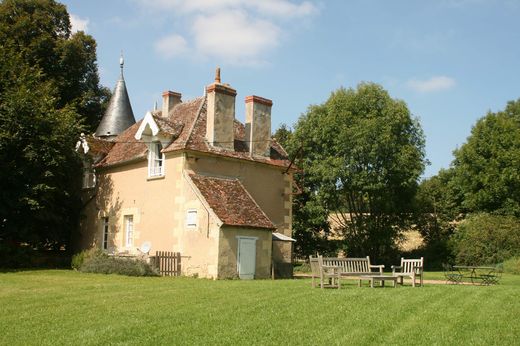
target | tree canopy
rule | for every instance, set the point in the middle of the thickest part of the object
(40, 31)
(49, 93)
(487, 165)
(361, 154)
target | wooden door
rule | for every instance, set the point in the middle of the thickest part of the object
(246, 261)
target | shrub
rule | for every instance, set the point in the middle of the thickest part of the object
(79, 258)
(99, 262)
(512, 265)
(302, 268)
(486, 239)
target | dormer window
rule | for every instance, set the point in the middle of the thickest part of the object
(155, 160)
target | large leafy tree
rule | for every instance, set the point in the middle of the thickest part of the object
(49, 93)
(487, 165)
(362, 154)
(40, 31)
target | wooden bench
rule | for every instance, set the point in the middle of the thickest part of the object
(353, 266)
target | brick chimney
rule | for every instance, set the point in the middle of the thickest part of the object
(258, 125)
(170, 100)
(221, 114)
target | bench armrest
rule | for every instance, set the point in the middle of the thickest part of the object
(380, 266)
(394, 268)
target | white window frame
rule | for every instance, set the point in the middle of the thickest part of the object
(89, 178)
(105, 230)
(192, 218)
(129, 230)
(155, 160)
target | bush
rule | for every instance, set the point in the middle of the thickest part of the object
(486, 239)
(512, 265)
(302, 268)
(79, 258)
(96, 261)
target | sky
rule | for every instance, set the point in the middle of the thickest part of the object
(451, 61)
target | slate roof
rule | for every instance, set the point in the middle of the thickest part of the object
(119, 115)
(231, 202)
(186, 124)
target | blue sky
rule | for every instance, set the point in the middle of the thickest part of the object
(451, 61)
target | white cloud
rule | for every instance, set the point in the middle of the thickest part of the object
(437, 83)
(234, 31)
(78, 23)
(171, 46)
(234, 36)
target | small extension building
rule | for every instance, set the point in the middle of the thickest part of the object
(190, 178)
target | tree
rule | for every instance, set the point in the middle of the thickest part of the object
(437, 211)
(487, 165)
(484, 238)
(49, 93)
(39, 30)
(283, 135)
(362, 154)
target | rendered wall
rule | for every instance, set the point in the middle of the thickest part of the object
(271, 189)
(127, 190)
(198, 245)
(159, 208)
(228, 250)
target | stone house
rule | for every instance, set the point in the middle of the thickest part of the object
(190, 178)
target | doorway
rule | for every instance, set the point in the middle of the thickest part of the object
(246, 257)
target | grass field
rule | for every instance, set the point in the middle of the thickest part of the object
(70, 308)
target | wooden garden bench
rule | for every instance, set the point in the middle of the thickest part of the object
(353, 266)
(412, 268)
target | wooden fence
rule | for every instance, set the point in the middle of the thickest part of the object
(168, 263)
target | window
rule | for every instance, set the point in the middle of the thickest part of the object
(89, 178)
(155, 160)
(191, 218)
(89, 175)
(105, 232)
(129, 230)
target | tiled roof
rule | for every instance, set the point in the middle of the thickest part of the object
(231, 202)
(186, 123)
(126, 147)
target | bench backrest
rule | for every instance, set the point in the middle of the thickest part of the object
(411, 265)
(315, 266)
(349, 265)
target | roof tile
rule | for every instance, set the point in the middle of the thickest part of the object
(231, 202)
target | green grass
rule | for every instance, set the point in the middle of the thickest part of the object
(55, 307)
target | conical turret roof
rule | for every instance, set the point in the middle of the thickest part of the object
(119, 115)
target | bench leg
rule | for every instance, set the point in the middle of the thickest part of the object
(383, 283)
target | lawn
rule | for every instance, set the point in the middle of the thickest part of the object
(61, 307)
